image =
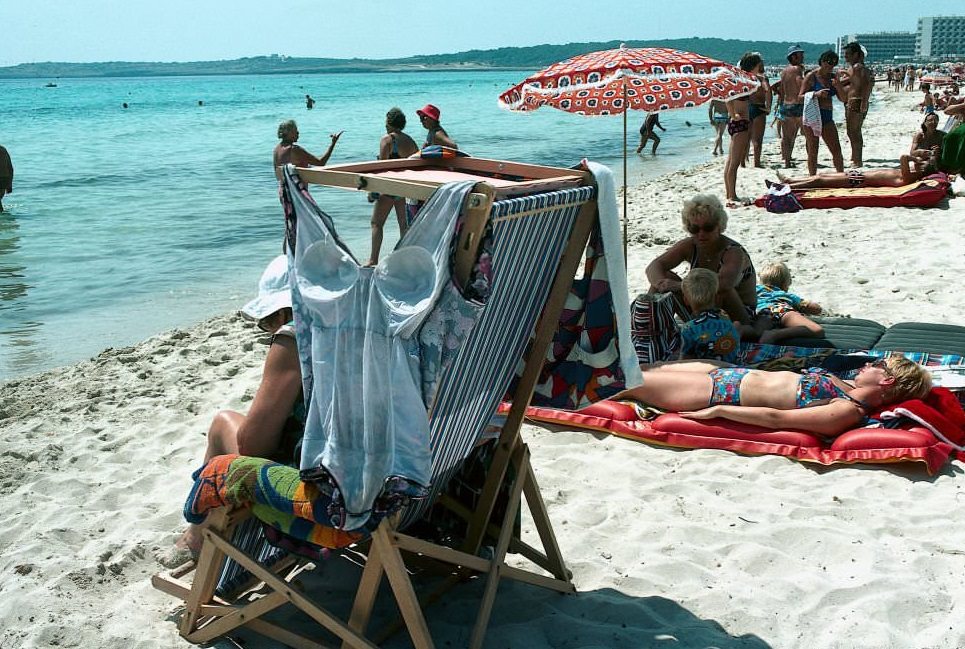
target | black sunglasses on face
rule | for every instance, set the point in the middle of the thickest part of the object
(706, 227)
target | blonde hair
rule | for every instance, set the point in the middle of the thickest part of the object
(775, 274)
(706, 205)
(700, 288)
(912, 381)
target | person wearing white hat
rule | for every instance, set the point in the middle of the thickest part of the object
(274, 423)
(273, 306)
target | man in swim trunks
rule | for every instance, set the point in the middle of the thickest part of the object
(6, 175)
(912, 169)
(791, 79)
(858, 82)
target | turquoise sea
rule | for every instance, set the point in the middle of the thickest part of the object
(127, 222)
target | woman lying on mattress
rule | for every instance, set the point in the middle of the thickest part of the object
(912, 169)
(813, 401)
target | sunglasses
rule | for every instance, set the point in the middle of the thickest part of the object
(880, 364)
(706, 227)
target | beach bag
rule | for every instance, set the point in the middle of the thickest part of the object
(780, 199)
(653, 329)
(953, 151)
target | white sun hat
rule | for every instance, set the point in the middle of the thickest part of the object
(274, 292)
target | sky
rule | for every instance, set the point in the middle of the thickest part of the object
(201, 30)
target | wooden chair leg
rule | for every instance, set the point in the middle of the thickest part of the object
(521, 460)
(405, 596)
(206, 574)
(541, 519)
(367, 591)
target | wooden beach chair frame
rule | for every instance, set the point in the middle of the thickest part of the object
(207, 616)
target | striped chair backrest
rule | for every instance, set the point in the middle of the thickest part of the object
(526, 252)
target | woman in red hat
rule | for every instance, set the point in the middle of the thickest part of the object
(429, 115)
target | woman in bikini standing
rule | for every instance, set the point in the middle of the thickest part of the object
(760, 103)
(393, 145)
(738, 127)
(821, 81)
(705, 220)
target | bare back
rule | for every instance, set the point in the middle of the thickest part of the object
(791, 79)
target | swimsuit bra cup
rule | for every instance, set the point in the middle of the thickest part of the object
(325, 272)
(406, 280)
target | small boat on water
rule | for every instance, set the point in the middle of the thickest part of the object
(50, 84)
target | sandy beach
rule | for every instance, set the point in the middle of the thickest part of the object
(668, 548)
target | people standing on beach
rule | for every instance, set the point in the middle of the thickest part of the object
(651, 122)
(738, 127)
(777, 90)
(717, 114)
(759, 102)
(394, 145)
(858, 82)
(821, 82)
(928, 102)
(429, 115)
(705, 220)
(309, 102)
(791, 79)
(6, 175)
(287, 151)
(910, 79)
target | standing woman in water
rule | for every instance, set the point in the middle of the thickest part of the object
(393, 145)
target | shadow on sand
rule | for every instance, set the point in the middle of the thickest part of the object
(524, 616)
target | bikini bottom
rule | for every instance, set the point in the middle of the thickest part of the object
(726, 389)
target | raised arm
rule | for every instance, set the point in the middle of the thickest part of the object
(829, 420)
(300, 157)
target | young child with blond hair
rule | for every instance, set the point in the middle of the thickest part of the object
(709, 334)
(782, 310)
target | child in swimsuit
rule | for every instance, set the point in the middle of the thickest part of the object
(783, 311)
(709, 334)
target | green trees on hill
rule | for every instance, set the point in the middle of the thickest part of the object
(533, 57)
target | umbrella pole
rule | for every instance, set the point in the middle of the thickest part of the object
(625, 111)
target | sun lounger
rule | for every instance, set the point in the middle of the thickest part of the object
(537, 246)
(859, 335)
(913, 440)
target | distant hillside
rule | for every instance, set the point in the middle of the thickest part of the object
(533, 57)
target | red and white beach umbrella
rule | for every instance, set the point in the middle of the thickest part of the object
(610, 82)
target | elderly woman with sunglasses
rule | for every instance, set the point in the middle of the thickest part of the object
(814, 400)
(705, 220)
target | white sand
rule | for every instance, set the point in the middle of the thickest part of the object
(668, 548)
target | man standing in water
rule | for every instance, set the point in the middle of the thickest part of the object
(791, 79)
(6, 175)
(859, 84)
